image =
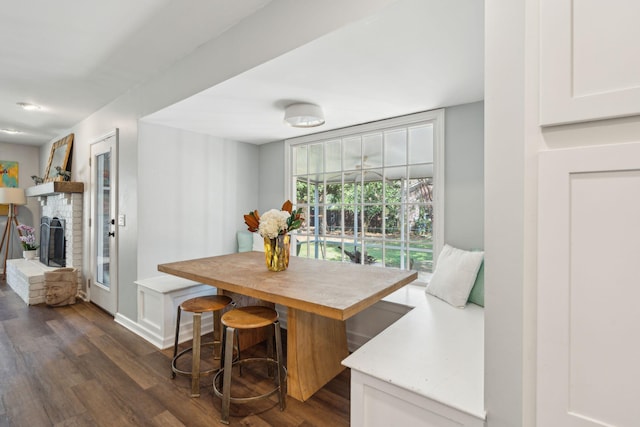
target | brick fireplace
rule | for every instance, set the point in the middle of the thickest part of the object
(61, 200)
(67, 206)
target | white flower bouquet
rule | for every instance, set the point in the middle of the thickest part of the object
(275, 222)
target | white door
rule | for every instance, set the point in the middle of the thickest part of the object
(104, 238)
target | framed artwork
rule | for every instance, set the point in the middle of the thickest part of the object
(60, 156)
(8, 178)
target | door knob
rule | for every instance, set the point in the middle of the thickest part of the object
(112, 233)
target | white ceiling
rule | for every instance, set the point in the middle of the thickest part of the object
(415, 55)
(72, 57)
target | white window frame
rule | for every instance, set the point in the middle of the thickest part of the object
(434, 117)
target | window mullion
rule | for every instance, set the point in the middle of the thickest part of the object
(384, 216)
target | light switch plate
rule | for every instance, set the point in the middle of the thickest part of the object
(121, 220)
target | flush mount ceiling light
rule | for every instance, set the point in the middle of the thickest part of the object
(29, 107)
(10, 131)
(303, 115)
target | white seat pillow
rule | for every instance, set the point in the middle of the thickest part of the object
(454, 275)
(258, 242)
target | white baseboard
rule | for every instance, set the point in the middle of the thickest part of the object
(138, 329)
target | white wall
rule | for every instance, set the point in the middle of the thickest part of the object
(464, 176)
(508, 355)
(28, 164)
(272, 178)
(193, 190)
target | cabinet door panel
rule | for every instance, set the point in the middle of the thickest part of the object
(589, 270)
(589, 60)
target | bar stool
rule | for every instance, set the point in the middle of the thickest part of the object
(244, 318)
(197, 306)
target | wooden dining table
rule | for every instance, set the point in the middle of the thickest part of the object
(319, 295)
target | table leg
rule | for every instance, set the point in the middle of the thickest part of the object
(316, 346)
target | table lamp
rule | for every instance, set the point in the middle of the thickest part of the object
(11, 197)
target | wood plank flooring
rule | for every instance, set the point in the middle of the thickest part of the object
(74, 366)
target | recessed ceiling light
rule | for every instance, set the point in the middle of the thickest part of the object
(11, 131)
(29, 107)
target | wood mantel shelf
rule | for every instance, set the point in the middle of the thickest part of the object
(55, 187)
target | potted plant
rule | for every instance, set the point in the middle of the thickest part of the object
(28, 239)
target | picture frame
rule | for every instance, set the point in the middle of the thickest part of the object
(61, 155)
(8, 178)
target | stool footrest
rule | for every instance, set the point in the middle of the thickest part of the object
(203, 373)
(232, 399)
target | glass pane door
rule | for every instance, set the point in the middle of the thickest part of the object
(103, 217)
(103, 288)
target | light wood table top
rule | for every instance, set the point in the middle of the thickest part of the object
(332, 289)
(319, 296)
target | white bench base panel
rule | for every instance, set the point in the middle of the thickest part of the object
(158, 301)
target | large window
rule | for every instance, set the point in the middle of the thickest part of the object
(372, 194)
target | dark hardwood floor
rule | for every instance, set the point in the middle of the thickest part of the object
(74, 366)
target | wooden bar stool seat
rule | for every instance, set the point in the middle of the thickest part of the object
(197, 306)
(239, 319)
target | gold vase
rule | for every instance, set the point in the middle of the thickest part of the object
(276, 252)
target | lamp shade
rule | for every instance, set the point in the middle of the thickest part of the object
(13, 196)
(303, 115)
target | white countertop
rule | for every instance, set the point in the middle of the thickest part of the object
(435, 350)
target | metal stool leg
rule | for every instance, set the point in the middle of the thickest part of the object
(223, 345)
(195, 363)
(217, 335)
(280, 360)
(175, 343)
(226, 378)
(270, 352)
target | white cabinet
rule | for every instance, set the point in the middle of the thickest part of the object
(588, 323)
(588, 293)
(589, 60)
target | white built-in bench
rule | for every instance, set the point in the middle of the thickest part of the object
(26, 278)
(425, 369)
(158, 301)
